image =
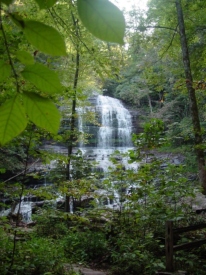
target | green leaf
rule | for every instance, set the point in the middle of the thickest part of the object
(46, 4)
(103, 19)
(5, 70)
(44, 79)
(12, 120)
(42, 112)
(44, 37)
(25, 57)
(7, 2)
(17, 19)
(2, 170)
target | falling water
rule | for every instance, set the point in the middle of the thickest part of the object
(113, 133)
(25, 210)
(116, 123)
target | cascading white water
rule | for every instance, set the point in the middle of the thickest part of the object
(113, 132)
(116, 123)
(25, 210)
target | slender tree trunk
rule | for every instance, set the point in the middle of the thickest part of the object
(13, 254)
(73, 115)
(73, 118)
(72, 129)
(192, 96)
(150, 103)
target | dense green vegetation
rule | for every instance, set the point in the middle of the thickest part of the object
(55, 54)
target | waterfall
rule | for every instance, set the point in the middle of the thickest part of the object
(113, 132)
(116, 123)
(25, 209)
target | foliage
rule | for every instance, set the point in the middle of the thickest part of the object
(86, 246)
(81, 242)
(130, 239)
(152, 137)
(103, 19)
(81, 167)
(181, 133)
(46, 39)
(50, 224)
(35, 256)
(13, 113)
(155, 194)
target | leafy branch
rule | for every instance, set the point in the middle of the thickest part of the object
(103, 20)
(8, 52)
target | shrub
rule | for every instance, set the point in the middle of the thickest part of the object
(85, 246)
(36, 256)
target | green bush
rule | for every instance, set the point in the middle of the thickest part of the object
(35, 256)
(50, 224)
(85, 246)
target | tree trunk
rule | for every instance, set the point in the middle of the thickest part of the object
(150, 103)
(192, 96)
(73, 116)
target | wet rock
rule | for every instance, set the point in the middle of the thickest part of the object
(84, 270)
(30, 224)
(39, 203)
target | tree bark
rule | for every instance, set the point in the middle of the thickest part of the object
(150, 103)
(192, 96)
(73, 115)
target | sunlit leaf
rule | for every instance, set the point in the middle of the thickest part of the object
(44, 38)
(5, 70)
(12, 120)
(103, 19)
(25, 57)
(46, 4)
(42, 112)
(43, 78)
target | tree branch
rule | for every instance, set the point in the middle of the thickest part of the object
(170, 44)
(8, 52)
